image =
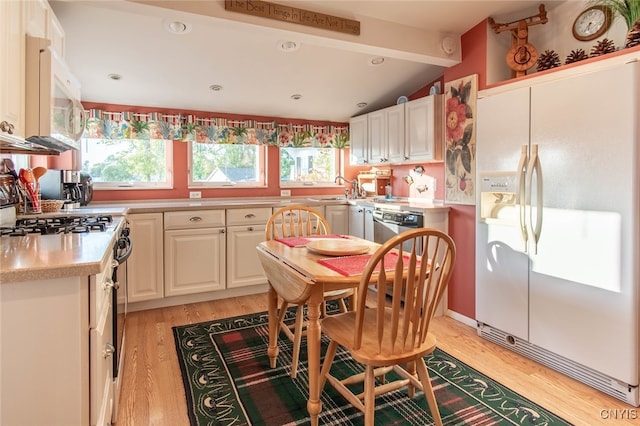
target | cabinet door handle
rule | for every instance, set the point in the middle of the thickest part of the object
(249, 216)
(250, 228)
(195, 219)
(109, 350)
(222, 231)
(7, 127)
(108, 283)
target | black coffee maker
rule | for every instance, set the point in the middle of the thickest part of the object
(86, 188)
(62, 185)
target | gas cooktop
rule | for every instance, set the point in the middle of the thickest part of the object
(58, 225)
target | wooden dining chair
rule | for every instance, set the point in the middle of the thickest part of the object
(298, 221)
(393, 335)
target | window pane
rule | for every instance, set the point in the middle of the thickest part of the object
(127, 162)
(316, 165)
(224, 163)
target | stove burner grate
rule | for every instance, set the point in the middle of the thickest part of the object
(58, 225)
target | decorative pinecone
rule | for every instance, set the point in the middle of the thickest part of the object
(633, 36)
(575, 56)
(547, 60)
(603, 47)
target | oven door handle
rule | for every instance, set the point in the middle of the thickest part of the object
(379, 220)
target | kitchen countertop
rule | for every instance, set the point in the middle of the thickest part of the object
(36, 257)
(159, 206)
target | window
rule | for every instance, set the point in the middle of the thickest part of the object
(128, 163)
(219, 165)
(308, 166)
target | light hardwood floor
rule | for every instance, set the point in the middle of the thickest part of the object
(152, 391)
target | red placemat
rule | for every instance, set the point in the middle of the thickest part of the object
(303, 241)
(354, 265)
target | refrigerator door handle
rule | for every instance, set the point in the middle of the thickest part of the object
(520, 193)
(534, 166)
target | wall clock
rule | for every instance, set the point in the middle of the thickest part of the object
(591, 23)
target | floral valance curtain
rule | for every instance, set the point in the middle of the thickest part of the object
(129, 125)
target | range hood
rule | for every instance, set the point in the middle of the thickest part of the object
(10, 144)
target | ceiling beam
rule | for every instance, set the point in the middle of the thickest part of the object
(377, 37)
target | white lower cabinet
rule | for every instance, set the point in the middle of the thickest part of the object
(194, 261)
(361, 222)
(57, 335)
(356, 221)
(194, 256)
(145, 272)
(243, 266)
(102, 349)
(368, 223)
(338, 218)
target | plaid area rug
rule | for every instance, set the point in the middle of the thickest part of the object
(228, 381)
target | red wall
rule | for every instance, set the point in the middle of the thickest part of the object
(462, 227)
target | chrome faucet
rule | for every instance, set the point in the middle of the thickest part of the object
(356, 192)
(343, 179)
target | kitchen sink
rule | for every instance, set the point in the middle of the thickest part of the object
(390, 200)
(342, 198)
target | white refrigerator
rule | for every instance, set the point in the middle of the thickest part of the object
(557, 224)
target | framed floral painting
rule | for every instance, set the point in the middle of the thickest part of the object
(460, 140)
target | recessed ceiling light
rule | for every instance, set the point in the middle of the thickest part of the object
(288, 46)
(361, 104)
(176, 27)
(296, 97)
(115, 77)
(215, 87)
(378, 60)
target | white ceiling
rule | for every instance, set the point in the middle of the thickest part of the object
(239, 52)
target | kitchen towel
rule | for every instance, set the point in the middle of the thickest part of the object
(303, 241)
(354, 265)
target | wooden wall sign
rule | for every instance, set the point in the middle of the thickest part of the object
(293, 14)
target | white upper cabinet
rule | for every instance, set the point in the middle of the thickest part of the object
(40, 21)
(378, 143)
(12, 46)
(55, 33)
(359, 141)
(36, 17)
(395, 118)
(424, 121)
(406, 133)
(386, 135)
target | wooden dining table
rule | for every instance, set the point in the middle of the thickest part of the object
(295, 275)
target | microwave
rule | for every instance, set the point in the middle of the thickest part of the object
(54, 115)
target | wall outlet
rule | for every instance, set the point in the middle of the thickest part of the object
(285, 193)
(195, 194)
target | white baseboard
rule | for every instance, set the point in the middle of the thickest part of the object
(461, 318)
